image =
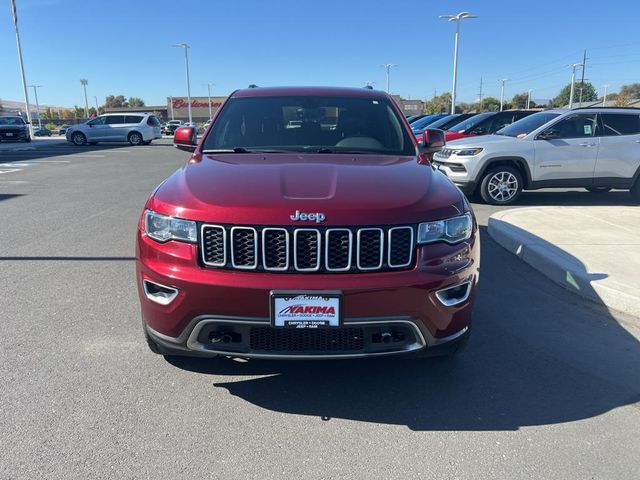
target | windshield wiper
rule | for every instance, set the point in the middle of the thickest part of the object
(229, 150)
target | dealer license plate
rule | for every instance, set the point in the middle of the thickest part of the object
(9, 134)
(306, 309)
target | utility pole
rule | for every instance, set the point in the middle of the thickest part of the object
(84, 82)
(502, 92)
(480, 94)
(529, 99)
(35, 92)
(388, 67)
(573, 81)
(24, 80)
(171, 107)
(185, 47)
(209, 85)
(584, 64)
(456, 18)
(604, 99)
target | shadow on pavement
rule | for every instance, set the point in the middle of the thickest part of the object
(536, 357)
(8, 196)
(28, 152)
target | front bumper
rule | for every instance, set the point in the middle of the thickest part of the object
(15, 136)
(211, 306)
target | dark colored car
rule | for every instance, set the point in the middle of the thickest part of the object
(442, 124)
(415, 118)
(307, 223)
(41, 132)
(426, 121)
(485, 123)
(14, 129)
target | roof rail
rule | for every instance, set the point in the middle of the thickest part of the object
(606, 108)
(253, 85)
(368, 87)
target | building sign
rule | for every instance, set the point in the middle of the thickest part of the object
(199, 106)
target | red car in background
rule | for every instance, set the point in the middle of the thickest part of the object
(485, 123)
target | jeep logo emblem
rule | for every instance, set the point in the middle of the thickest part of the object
(307, 217)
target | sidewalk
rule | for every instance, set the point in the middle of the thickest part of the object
(32, 145)
(592, 251)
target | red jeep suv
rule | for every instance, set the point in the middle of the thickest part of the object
(307, 224)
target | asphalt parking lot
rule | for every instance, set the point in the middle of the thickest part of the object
(549, 386)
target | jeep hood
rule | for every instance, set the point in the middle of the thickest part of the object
(265, 189)
(479, 141)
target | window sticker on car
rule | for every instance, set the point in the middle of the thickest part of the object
(587, 129)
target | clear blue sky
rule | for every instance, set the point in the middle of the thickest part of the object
(124, 47)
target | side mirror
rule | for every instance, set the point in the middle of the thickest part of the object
(433, 140)
(549, 134)
(185, 138)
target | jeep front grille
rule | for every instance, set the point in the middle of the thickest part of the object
(325, 249)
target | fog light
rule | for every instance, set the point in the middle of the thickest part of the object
(455, 295)
(159, 293)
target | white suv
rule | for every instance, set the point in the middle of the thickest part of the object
(594, 148)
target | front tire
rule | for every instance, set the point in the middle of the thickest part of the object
(501, 186)
(27, 140)
(135, 138)
(78, 139)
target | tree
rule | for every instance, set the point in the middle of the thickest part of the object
(489, 104)
(623, 99)
(66, 113)
(112, 101)
(135, 102)
(519, 100)
(632, 90)
(78, 112)
(438, 104)
(589, 94)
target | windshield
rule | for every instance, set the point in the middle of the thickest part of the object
(11, 121)
(428, 120)
(469, 123)
(527, 125)
(309, 124)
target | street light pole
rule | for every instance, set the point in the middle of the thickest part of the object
(502, 92)
(22, 76)
(185, 47)
(84, 82)
(604, 99)
(95, 97)
(209, 85)
(529, 99)
(388, 67)
(35, 92)
(171, 107)
(456, 18)
(573, 81)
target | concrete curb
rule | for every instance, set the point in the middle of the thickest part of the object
(559, 266)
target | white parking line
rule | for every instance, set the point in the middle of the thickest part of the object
(86, 156)
(50, 161)
(14, 165)
(9, 171)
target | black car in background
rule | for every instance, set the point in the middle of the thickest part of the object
(14, 129)
(41, 132)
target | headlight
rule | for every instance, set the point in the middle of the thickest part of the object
(467, 152)
(163, 228)
(451, 230)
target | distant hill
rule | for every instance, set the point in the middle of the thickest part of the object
(13, 105)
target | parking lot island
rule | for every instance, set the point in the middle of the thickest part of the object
(592, 251)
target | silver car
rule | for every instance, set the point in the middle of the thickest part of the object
(135, 128)
(593, 148)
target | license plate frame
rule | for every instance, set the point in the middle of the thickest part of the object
(301, 317)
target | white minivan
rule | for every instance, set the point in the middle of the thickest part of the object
(135, 128)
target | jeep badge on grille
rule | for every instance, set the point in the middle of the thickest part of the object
(317, 217)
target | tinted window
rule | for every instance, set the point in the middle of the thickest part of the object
(620, 124)
(469, 123)
(495, 123)
(575, 126)
(308, 124)
(132, 119)
(97, 121)
(153, 121)
(527, 124)
(115, 119)
(11, 121)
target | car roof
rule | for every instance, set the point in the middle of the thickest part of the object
(308, 91)
(123, 113)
